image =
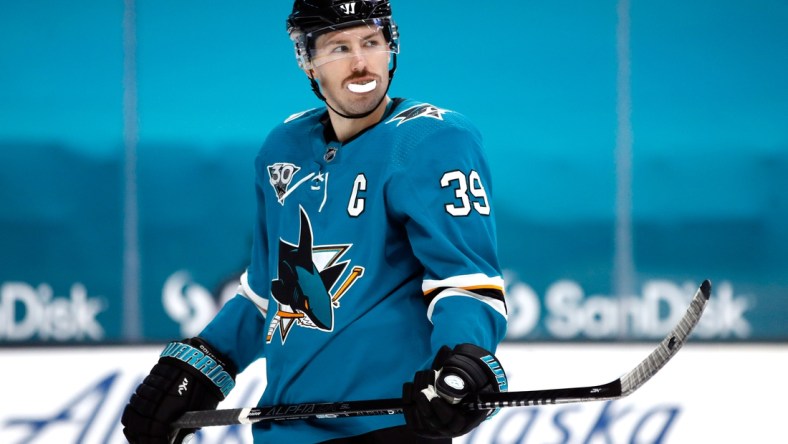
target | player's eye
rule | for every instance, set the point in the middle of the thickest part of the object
(340, 49)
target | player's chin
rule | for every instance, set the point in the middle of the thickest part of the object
(363, 103)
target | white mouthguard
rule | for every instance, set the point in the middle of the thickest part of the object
(365, 88)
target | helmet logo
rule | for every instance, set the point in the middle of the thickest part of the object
(348, 8)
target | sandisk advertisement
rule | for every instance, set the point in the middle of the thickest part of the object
(706, 393)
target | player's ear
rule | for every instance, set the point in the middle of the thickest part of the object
(311, 74)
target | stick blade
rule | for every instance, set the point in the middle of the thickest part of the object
(670, 345)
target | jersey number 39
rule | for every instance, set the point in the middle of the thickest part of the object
(469, 192)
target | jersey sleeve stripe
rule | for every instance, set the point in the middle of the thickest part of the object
(489, 291)
(495, 302)
(246, 291)
(463, 281)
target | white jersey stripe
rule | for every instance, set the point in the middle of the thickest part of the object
(246, 291)
(463, 281)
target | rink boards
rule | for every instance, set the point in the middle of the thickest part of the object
(707, 393)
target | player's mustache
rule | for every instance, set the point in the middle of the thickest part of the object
(361, 76)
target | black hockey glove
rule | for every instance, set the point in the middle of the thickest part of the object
(190, 375)
(431, 408)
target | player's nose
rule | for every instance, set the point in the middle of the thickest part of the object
(359, 61)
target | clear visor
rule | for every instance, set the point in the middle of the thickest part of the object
(361, 38)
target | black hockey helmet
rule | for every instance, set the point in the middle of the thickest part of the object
(310, 15)
(311, 18)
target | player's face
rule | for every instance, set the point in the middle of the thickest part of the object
(352, 68)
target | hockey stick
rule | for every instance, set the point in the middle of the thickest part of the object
(619, 388)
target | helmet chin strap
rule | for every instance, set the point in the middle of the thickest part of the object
(316, 90)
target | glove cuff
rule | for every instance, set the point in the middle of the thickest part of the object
(197, 357)
(492, 366)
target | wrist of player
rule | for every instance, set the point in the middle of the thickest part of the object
(190, 375)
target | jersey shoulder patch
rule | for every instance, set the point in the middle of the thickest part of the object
(418, 111)
(297, 116)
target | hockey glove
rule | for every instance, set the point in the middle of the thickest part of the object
(432, 400)
(190, 375)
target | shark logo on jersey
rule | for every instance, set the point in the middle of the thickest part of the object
(414, 112)
(279, 176)
(307, 274)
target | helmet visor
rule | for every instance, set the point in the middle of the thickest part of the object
(359, 38)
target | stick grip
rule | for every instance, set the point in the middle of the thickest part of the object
(208, 418)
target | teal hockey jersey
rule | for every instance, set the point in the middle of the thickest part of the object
(368, 256)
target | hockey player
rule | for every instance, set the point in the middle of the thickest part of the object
(374, 258)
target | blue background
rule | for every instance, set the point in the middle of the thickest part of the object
(542, 80)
